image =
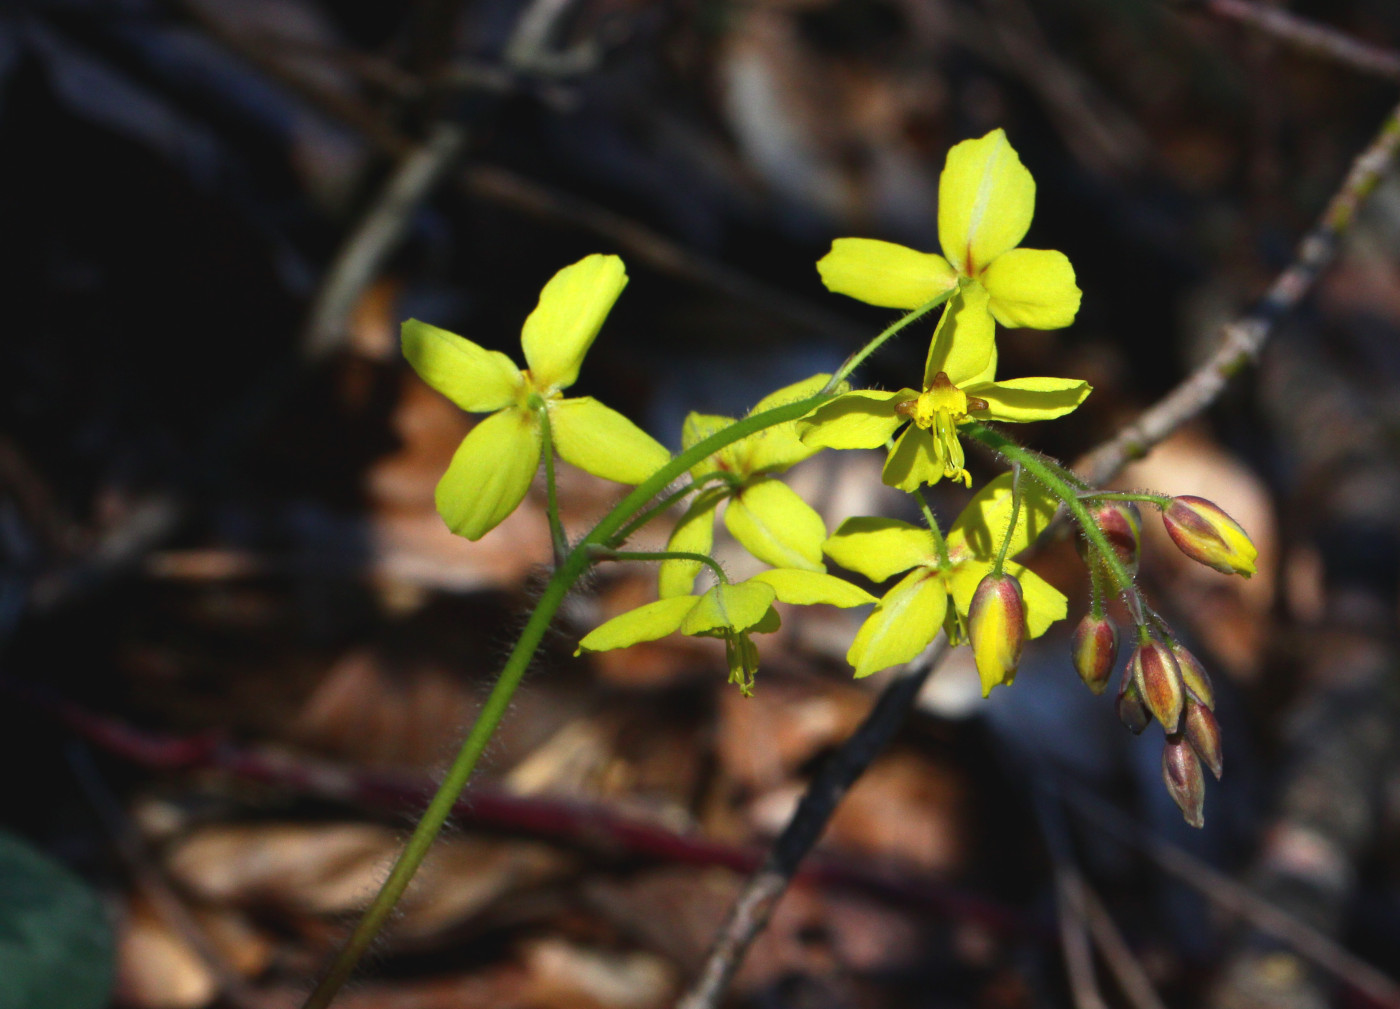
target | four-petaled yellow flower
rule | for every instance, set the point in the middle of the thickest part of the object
(910, 615)
(958, 385)
(986, 198)
(493, 467)
(763, 514)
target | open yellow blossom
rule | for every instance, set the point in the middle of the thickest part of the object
(935, 595)
(493, 467)
(958, 386)
(986, 198)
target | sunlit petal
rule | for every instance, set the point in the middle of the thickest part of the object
(965, 339)
(490, 473)
(879, 548)
(914, 461)
(1033, 288)
(599, 440)
(738, 607)
(864, 419)
(902, 624)
(1019, 400)
(985, 201)
(570, 312)
(645, 623)
(476, 379)
(807, 588)
(979, 528)
(884, 274)
(775, 525)
(694, 534)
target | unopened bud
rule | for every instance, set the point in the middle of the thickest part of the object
(1181, 772)
(1202, 731)
(996, 626)
(1159, 682)
(1194, 676)
(1205, 533)
(1095, 650)
(1132, 712)
(1121, 524)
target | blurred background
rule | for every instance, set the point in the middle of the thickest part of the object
(237, 643)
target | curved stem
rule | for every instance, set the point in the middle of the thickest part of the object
(659, 506)
(1156, 500)
(855, 360)
(608, 554)
(1015, 516)
(556, 525)
(940, 542)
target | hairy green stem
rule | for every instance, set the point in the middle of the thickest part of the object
(1046, 475)
(1016, 471)
(1156, 500)
(855, 360)
(608, 554)
(556, 524)
(940, 542)
(574, 564)
(657, 507)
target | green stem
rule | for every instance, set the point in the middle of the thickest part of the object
(855, 360)
(575, 563)
(1015, 517)
(608, 554)
(940, 543)
(1046, 475)
(659, 506)
(1156, 500)
(556, 525)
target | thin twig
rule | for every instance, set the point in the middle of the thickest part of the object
(1243, 339)
(1309, 36)
(375, 238)
(1069, 904)
(1126, 969)
(764, 888)
(1237, 898)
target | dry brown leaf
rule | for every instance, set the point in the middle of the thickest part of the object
(157, 968)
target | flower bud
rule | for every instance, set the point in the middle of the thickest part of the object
(1159, 682)
(1202, 731)
(996, 626)
(1205, 533)
(1194, 676)
(1095, 650)
(1181, 772)
(1121, 524)
(1131, 711)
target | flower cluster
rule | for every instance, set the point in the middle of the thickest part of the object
(965, 582)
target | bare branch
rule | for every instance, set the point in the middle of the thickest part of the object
(1309, 36)
(1243, 339)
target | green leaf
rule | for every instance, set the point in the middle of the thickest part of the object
(56, 947)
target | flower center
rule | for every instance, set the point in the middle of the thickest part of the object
(938, 410)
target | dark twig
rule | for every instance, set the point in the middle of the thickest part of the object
(1308, 36)
(378, 234)
(764, 888)
(1237, 898)
(1244, 338)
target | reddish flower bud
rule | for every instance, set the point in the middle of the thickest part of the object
(1206, 534)
(1095, 650)
(1159, 682)
(1194, 676)
(996, 627)
(1202, 731)
(1132, 712)
(1181, 772)
(1121, 524)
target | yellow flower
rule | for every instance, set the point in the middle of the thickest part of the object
(493, 467)
(763, 513)
(958, 386)
(934, 595)
(985, 201)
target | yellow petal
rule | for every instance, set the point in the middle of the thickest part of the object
(1033, 288)
(807, 588)
(978, 530)
(1045, 604)
(965, 340)
(490, 473)
(645, 623)
(737, 607)
(571, 310)
(696, 428)
(884, 274)
(1025, 399)
(880, 548)
(599, 440)
(694, 534)
(985, 202)
(913, 461)
(777, 448)
(863, 419)
(476, 379)
(902, 624)
(777, 526)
